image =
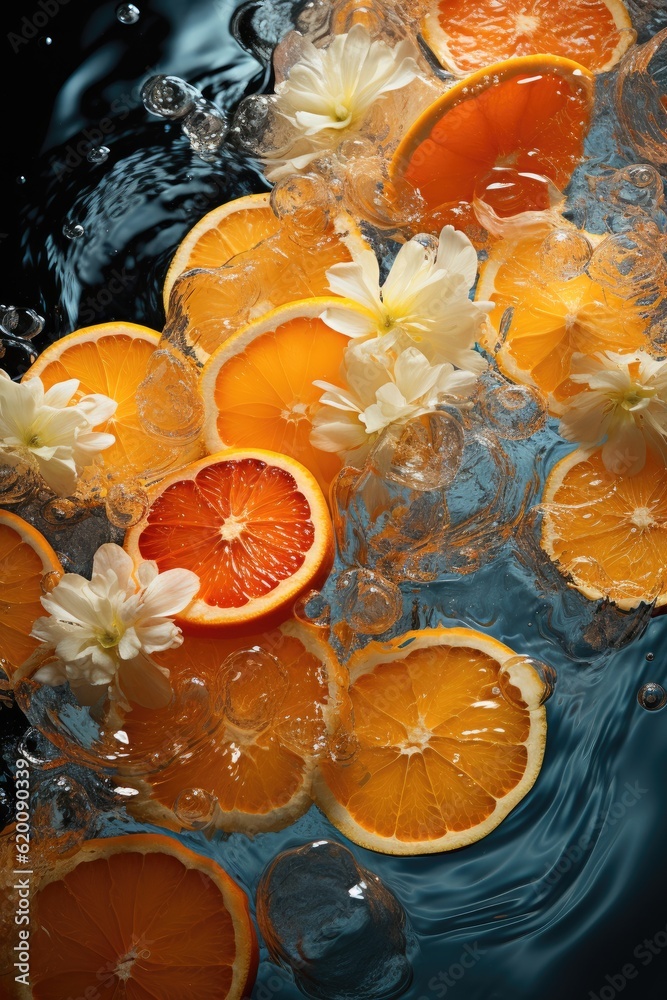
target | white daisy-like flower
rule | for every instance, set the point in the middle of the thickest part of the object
(330, 91)
(55, 438)
(104, 630)
(623, 403)
(381, 391)
(424, 301)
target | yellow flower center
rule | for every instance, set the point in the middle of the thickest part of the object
(109, 638)
(637, 396)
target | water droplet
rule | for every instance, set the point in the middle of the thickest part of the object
(73, 230)
(652, 696)
(20, 322)
(50, 580)
(21, 179)
(127, 13)
(126, 505)
(62, 510)
(256, 682)
(565, 253)
(370, 604)
(313, 609)
(206, 127)
(525, 681)
(98, 154)
(194, 807)
(46, 42)
(650, 657)
(168, 96)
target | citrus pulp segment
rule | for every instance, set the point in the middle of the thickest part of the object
(467, 35)
(552, 318)
(258, 386)
(142, 916)
(255, 527)
(608, 533)
(26, 564)
(226, 231)
(530, 114)
(112, 359)
(442, 755)
(278, 697)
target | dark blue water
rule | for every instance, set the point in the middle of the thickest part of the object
(568, 897)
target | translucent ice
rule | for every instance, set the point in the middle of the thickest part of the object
(334, 924)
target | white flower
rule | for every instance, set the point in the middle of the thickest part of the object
(42, 429)
(424, 301)
(624, 403)
(381, 392)
(104, 630)
(330, 91)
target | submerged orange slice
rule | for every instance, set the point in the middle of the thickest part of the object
(226, 231)
(26, 562)
(607, 533)
(467, 35)
(140, 916)
(276, 703)
(530, 114)
(443, 755)
(112, 359)
(252, 524)
(551, 318)
(258, 387)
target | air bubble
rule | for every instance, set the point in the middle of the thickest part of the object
(21, 179)
(255, 682)
(127, 13)
(61, 510)
(370, 604)
(313, 609)
(650, 657)
(168, 96)
(50, 580)
(565, 253)
(205, 127)
(73, 230)
(652, 696)
(525, 681)
(20, 322)
(126, 505)
(194, 807)
(98, 154)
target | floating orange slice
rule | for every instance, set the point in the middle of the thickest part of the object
(529, 114)
(443, 754)
(112, 359)
(276, 704)
(140, 916)
(607, 532)
(252, 524)
(207, 306)
(552, 318)
(226, 231)
(258, 387)
(26, 564)
(467, 35)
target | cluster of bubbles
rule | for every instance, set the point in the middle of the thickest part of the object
(18, 328)
(204, 125)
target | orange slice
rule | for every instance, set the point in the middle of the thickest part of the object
(529, 114)
(276, 704)
(258, 387)
(252, 524)
(229, 229)
(607, 533)
(443, 754)
(112, 359)
(26, 564)
(553, 318)
(467, 35)
(140, 916)
(207, 306)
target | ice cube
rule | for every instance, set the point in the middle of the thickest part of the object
(340, 930)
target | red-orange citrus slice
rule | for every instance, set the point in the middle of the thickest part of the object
(467, 35)
(255, 527)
